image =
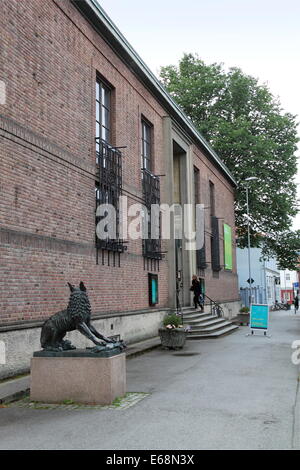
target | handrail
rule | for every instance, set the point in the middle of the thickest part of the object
(215, 306)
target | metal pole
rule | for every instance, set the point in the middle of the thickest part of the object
(249, 254)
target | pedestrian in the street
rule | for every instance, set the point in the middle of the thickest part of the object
(196, 288)
(296, 302)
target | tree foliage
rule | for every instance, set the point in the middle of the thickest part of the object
(245, 125)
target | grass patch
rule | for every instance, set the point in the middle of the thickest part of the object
(69, 402)
(119, 403)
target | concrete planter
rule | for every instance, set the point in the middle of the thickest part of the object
(172, 338)
(243, 318)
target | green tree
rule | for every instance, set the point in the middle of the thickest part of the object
(247, 127)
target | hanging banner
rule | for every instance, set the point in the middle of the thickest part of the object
(259, 317)
(227, 247)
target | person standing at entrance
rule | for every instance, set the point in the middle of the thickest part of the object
(196, 288)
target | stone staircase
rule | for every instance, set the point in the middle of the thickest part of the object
(204, 325)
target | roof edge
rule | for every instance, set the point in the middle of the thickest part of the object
(113, 36)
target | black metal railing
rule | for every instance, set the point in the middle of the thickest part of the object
(215, 307)
(108, 191)
(215, 245)
(151, 196)
(201, 258)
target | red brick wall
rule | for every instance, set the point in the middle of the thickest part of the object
(225, 287)
(50, 56)
(50, 65)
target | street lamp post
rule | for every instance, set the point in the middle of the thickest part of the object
(251, 178)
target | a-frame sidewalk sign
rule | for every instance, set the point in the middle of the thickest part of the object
(259, 318)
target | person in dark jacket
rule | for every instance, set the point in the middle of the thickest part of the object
(196, 288)
(296, 302)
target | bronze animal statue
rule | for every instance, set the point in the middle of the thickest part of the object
(77, 316)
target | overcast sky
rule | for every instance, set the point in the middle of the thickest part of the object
(262, 37)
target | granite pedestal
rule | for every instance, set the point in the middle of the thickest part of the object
(79, 375)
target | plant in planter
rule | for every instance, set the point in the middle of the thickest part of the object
(244, 310)
(172, 333)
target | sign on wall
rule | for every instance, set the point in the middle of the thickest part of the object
(227, 247)
(153, 288)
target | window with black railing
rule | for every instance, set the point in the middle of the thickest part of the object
(108, 185)
(200, 253)
(215, 244)
(151, 197)
(108, 192)
(215, 236)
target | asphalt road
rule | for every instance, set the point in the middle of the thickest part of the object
(236, 392)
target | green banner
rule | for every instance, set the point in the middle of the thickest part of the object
(227, 247)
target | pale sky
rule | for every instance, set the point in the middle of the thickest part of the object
(262, 37)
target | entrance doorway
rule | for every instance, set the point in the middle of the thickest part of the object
(180, 198)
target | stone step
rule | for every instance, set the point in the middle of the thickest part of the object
(210, 328)
(196, 316)
(196, 312)
(214, 334)
(204, 319)
(186, 310)
(210, 324)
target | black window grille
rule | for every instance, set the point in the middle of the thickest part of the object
(108, 191)
(151, 195)
(201, 258)
(215, 244)
(200, 254)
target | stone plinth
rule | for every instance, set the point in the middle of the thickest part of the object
(88, 380)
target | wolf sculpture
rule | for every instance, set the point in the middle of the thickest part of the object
(77, 316)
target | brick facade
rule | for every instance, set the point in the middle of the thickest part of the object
(224, 286)
(50, 58)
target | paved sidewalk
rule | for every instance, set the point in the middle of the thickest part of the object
(235, 392)
(12, 389)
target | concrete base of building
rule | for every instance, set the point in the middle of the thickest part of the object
(20, 341)
(88, 380)
(231, 308)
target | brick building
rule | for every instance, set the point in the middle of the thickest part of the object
(77, 98)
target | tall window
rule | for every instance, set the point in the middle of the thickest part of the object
(215, 239)
(196, 185)
(151, 195)
(146, 145)
(103, 105)
(200, 254)
(212, 198)
(108, 185)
